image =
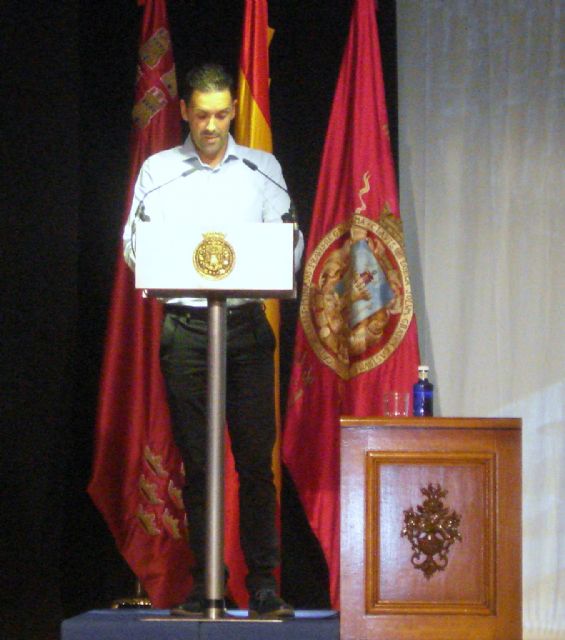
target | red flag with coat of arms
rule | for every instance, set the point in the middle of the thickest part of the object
(137, 475)
(357, 336)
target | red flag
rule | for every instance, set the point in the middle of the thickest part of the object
(137, 475)
(357, 333)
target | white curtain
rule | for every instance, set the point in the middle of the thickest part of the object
(481, 100)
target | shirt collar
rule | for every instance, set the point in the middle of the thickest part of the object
(191, 155)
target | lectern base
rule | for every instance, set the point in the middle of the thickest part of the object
(160, 625)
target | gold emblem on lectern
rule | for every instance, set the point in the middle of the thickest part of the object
(214, 257)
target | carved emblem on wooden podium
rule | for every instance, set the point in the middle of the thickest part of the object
(431, 530)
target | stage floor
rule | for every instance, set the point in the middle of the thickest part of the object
(158, 624)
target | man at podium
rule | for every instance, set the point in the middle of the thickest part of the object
(212, 178)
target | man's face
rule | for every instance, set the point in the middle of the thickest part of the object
(209, 116)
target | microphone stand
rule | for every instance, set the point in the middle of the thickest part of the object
(287, 217)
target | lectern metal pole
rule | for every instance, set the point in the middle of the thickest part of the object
(215, 464)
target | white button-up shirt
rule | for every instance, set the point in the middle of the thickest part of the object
(174, 185)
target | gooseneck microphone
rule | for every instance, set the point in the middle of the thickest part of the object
(254, 167)
(290, 216)
(140, 211)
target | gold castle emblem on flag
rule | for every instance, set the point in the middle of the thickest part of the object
(357, 303)
(153, 55)
(160, 510)
(153, 50)
(214, 257)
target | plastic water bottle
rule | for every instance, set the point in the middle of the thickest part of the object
(423, 401)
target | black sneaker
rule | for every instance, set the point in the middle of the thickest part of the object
(194, 607)
(267, 605)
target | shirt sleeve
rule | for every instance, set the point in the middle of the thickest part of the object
(277, 201)
(143, 185)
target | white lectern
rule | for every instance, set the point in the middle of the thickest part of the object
(252, 260)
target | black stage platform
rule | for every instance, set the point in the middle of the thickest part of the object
(158, 624)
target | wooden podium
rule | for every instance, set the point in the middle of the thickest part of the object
(431, 529)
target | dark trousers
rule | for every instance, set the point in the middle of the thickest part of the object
(251, 423)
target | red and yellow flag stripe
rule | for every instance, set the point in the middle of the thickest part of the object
(253, 129)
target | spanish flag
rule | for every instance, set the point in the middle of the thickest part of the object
(253, 122)
(252, 129)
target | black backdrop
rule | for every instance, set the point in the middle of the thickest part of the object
(68, 73)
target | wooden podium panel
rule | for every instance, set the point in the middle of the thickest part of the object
(409, 486)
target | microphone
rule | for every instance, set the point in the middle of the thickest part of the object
(290, 216)
(140, 211)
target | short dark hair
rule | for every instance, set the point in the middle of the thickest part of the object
(207, 77)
